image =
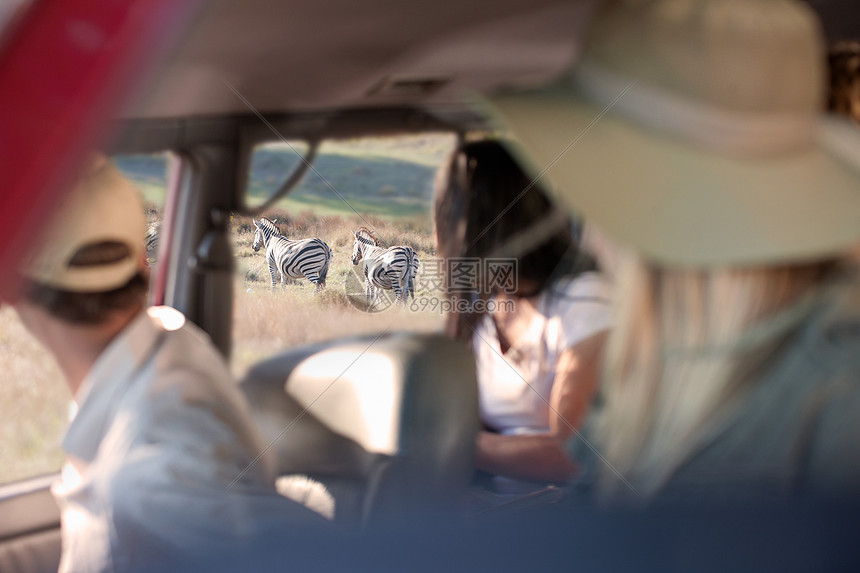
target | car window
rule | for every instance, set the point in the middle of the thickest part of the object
(384, 184)
(148, 172)
(37, 402)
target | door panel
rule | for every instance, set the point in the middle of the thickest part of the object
(29, 527)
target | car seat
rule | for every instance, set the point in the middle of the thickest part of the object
(386, 423)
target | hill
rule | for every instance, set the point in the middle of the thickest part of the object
(389, 177)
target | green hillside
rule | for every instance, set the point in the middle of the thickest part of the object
(389, 177)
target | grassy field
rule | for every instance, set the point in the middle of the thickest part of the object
(386, 177)
(387, 181)
(266, 322)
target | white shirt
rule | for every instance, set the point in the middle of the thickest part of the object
(514, 388)
(160, 434)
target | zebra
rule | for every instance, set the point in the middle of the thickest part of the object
(291, 259)
(416, 264)
(393, 268)
(152, 241)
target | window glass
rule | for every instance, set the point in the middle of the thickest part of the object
(384, 184)
(272, 164)
(149, 173)
(36, 400)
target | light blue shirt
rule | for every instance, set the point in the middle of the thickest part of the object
(163, 458)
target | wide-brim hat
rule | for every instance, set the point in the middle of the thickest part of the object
(693, 131)
(103, 207)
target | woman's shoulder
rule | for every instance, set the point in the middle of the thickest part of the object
(577, 308)
(586, 288)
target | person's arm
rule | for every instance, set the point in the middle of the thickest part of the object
(541, 457)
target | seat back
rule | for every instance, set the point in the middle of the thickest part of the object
(386, 423)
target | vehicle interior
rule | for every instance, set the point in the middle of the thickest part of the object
(393, 440)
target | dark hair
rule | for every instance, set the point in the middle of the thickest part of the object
(844, 66)
(88, 308)
(91, 308)
(486, 206)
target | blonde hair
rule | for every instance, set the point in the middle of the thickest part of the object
(685, 344)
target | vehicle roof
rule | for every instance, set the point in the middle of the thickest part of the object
(304, 55)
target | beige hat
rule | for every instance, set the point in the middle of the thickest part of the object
(103, 206)
(692, 130)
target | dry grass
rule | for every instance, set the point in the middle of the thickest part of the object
(267, 322)
(35, 401)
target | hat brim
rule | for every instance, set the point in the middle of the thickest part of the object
(679, 204)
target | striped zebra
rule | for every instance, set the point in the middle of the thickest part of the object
(152, 241)
(415, 266)
(291, 259)
(391, 268)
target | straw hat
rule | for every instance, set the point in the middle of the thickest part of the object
(103, 206)
(692, 130)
